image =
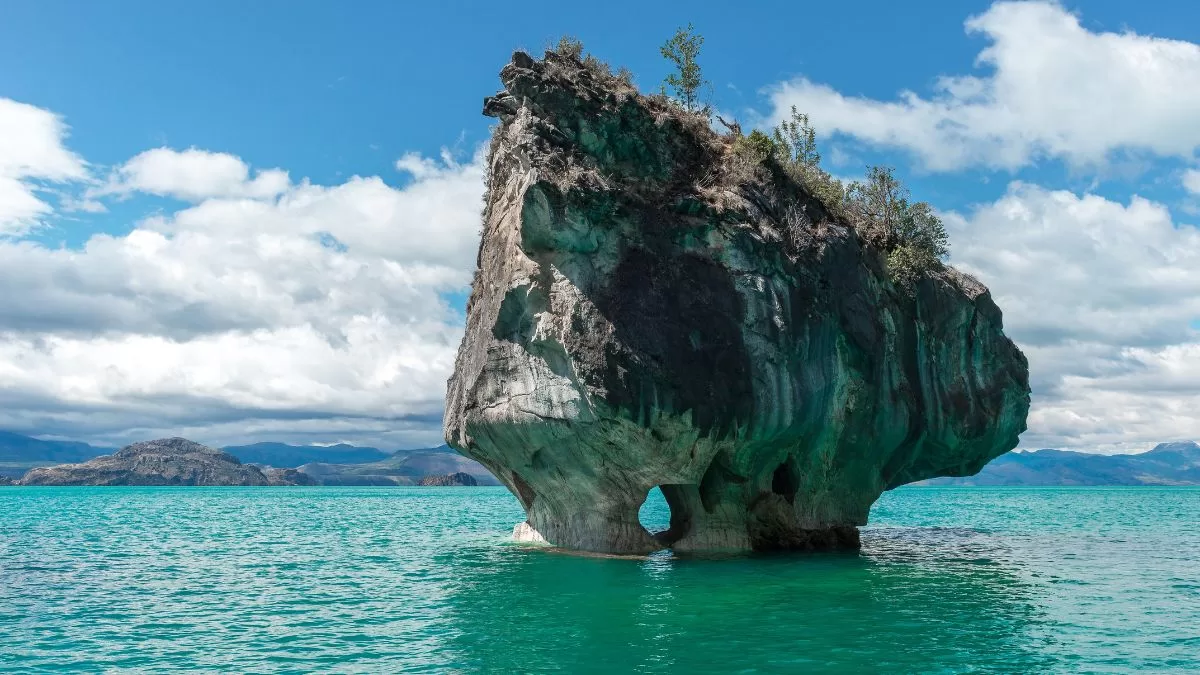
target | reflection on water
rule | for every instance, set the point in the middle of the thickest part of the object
(394, 579)
(895, 606)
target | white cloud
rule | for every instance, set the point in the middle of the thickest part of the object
(20, 207)
(31, 150)
(1055, 89)
(1191, 181)
(1102, 297)
(383, 369)
(193, 175)
(284, 310)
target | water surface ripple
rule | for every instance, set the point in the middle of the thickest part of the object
(425, 580)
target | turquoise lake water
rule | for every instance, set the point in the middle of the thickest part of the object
(425, 580)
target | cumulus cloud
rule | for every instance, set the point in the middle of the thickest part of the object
(192, 175)
(1102, 297)
(32, 151)
(261, 309)
(382, 370)
(1055, 89)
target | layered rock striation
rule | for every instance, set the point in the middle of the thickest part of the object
(646, 312)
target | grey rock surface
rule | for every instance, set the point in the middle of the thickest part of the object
(642, 316)
(168, 461)
(276, 476)
(449, 480)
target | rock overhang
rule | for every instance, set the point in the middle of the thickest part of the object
(640, 319)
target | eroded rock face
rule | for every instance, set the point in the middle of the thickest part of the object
(644, 315)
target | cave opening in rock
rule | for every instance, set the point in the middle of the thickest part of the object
(785, 482)
(655, 513)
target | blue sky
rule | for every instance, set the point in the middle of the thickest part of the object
(332, 89)
(184, 158)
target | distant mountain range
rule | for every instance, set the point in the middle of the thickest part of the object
(1166, 464)
(402, 468)
(21, 450)
(20, 453)
(330, 465)
(166, 461)
(282, 454)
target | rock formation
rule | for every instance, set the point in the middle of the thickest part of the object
(646, 314)
(449, 480)
(169, 461)
(277, 477)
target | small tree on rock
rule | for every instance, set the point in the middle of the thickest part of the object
(681, 50)
(569, 45)
(912, 235)
(879, 202)
(797, 141)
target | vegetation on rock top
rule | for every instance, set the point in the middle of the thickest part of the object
(880, 208)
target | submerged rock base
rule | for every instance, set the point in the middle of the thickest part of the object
(764, 527)
(649, 311)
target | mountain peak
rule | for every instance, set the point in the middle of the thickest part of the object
(1189, 449)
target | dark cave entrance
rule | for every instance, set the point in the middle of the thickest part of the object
(785, 482)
